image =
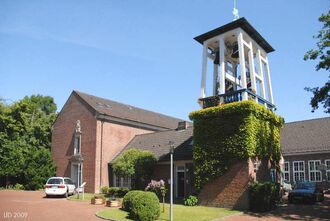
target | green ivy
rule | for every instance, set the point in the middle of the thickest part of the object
(232, 132)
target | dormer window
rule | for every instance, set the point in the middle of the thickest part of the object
(77, 139)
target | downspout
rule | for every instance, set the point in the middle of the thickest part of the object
(102, 122)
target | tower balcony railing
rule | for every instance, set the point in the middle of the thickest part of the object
(234, 96)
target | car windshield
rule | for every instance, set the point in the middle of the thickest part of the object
(305, 185)
(55, 181)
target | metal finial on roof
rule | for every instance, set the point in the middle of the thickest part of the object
(235, 11)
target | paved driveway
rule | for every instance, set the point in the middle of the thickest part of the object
(317, 212)
(36, 207)
(15, 205)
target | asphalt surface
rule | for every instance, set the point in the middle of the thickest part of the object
(318, 211)
(32, 205)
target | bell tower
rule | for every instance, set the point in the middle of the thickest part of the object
(240, 65)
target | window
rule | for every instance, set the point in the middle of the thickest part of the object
(314, 173)
(327, 163)
(286, 171)
(298, 171)
(76, 144)
(122, 181)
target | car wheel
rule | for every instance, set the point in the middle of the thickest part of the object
(66, 195)
(47, 196)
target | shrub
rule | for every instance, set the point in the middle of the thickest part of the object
(145, 206)
(191, 201)
(112, 191)
(122, 192)
(263, 196)
(117, 192)
(128, 198)
(137, 164)
(104, 189)
(159, 188)
(18, 186)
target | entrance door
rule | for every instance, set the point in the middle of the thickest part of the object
(180, 184)
(76, 173)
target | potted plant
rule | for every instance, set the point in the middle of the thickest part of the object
(98, 199)
(113, 202)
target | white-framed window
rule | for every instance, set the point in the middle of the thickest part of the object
(298, 171)
(286, 171)
(124, 182)
(327, 163)
(314, 174)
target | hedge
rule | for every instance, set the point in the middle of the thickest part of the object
(230, 133)
(141, 205)
(263, 196)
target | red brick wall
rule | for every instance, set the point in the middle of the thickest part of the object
(115, 137)
(229, 190)
(162, 171)
(62, 140)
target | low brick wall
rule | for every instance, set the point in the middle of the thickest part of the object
(229, 190)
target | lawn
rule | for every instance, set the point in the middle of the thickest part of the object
(87, 197)
(180, 212)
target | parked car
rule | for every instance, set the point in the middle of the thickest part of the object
(59, 186)
(306, 192)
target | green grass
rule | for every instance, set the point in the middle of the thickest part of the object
(180, 212)
(87, 197)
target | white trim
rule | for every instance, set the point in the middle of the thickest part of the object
(204, 69)
(298, 171)
(241, 49)
(327, 171)
(315, 171)
(222, 77)
(286, 171)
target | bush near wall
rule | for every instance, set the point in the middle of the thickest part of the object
(142, 205)
(263, 196)
(230, 133)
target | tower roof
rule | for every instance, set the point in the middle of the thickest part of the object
(239, 23)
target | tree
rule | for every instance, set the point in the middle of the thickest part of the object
(137, 164)
(25, 138)
(322, 54)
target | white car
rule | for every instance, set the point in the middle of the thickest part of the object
(59, 186)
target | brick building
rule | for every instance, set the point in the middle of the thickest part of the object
(108, 128)
(90, 131)
(306, 151)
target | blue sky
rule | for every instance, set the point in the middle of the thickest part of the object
(142, 53)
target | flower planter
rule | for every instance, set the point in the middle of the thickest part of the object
(113, 203)
(97, 201)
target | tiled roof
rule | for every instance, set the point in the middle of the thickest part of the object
(306, 136)
(108, 108)
(158, 143)
(303, 137)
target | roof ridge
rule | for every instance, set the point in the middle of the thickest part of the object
(314, 119)
(120, 103)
